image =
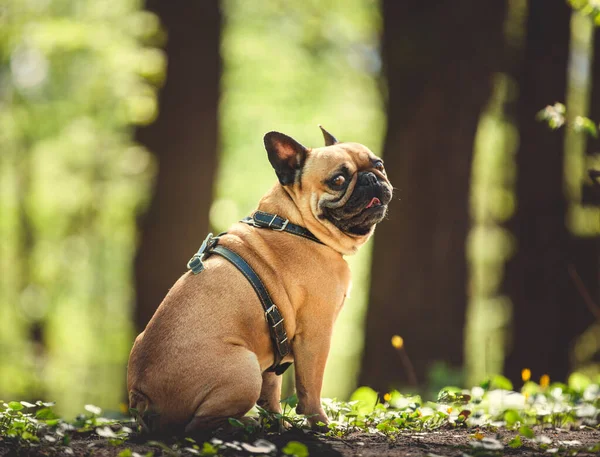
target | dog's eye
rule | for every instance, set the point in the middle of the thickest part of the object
(337, 181)
(379, 165)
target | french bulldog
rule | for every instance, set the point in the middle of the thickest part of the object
(204, 355)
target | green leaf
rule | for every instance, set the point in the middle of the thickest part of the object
(15, 406)
(586, 125)
(448, 393)
(579, 382)
(29, 437)
(296, 449)
(367, 399)
(511, 417)
(208, 449)
(45, 414)
(291, 401)
(516, 442)
(501, 382)
(526, 431)
(530, 388)
(236, 423)
(125, 453)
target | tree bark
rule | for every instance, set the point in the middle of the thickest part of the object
(439, 58)
(537, 277)
(184, 141)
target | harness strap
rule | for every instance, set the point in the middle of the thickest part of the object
(273, 317)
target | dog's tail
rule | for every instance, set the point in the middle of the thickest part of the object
(140, 408)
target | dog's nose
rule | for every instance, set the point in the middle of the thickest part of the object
(369, 178)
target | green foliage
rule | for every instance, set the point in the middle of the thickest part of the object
(500, 382)
(366, 398)
(555, 116)
(76, 79)
(477, 409)
(579, 382)
(589, 8)
(516, 442)
(295, 449)
(585, 125)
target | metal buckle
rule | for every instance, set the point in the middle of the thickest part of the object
(285, 223)
(195, 264)
(251, 222)
(269, 310)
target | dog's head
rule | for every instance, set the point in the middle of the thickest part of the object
(340, 190)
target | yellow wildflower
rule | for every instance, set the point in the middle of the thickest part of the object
(124, 408)
(525, 374)
(397, 341)
(545, 380)
(387, 397)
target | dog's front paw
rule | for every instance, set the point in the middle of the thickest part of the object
(319, 426)
(318, 420)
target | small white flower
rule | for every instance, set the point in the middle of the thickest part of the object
(93, 409)
(260, 447)
(570, 443)
(586, 410)
(543, 439)
(477, 392)
(491, 444)
(592, 392)
(106, 432)
(501, 400)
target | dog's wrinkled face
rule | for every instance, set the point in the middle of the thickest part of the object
(342, 187)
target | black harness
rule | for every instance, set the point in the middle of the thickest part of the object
(281, 345)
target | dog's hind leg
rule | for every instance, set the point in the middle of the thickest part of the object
(270, 394)
(270, 397)
(237, 392)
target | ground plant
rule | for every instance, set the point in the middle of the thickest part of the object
(492, 419)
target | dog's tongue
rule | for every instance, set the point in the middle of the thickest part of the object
(374, 201)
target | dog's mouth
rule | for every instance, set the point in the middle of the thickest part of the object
(374, 202)
(361, 212)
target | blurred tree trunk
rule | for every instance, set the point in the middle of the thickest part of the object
(184, 141)
(593, 149)
(439, 59)
(547, 308)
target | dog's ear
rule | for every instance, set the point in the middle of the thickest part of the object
(286, 156)
(329, 138)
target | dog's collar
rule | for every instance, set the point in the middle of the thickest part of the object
(274, 222)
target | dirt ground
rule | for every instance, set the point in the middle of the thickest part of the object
(445, 442)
